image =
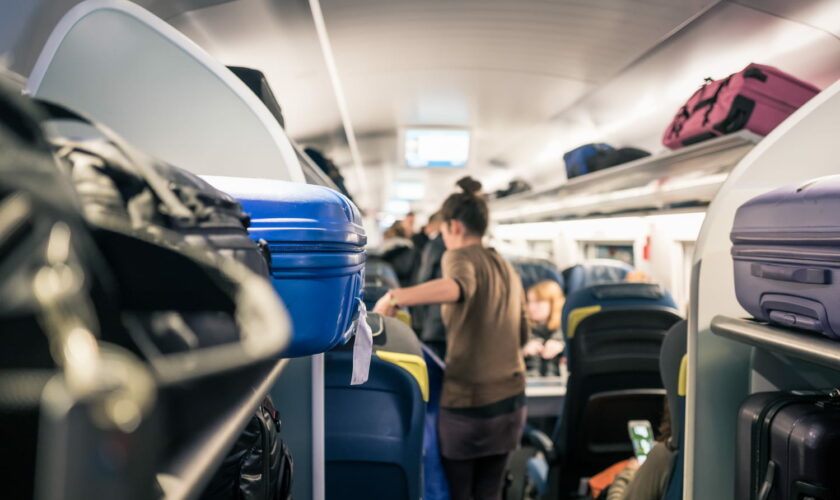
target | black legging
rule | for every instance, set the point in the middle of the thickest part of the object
(477, 478)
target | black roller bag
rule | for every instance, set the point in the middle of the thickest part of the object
(788, 444)
(145, 213)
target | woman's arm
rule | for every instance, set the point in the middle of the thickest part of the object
(439, 291)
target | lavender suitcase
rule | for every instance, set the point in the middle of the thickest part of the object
(787, 447)
(757, 98)
(786, 252)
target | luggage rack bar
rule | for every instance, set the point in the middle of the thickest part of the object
(185, 475)
(803, 345)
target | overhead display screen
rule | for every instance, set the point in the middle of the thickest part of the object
(437, 148)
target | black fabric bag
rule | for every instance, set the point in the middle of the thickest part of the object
(787, 446)
(259, 466)
(54, 284)
(612, 157)
(141, 207)
(256, 81)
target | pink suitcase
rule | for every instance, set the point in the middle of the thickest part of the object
(756, 98)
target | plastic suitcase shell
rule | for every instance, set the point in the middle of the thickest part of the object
(787, 446)
(317, 245)
(575, 160)
(757, 98)
(786, 253)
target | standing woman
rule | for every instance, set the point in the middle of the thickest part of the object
(483, 398)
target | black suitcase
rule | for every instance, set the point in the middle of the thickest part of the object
(788, 444)
(612, 157)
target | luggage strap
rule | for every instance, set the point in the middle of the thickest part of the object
(175, 208)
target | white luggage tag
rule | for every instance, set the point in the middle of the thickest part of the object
(362, 349)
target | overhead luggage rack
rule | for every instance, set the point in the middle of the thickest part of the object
(685, 177)
(185, 475)
(803, 345)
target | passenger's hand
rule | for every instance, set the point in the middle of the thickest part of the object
(532, 348)
(385, 306)
(552, 348)
(633, 463)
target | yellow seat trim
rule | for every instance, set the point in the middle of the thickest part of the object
(681, 388)
(404, 316)
(578, 315)
(415, 365)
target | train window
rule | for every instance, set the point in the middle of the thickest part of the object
(621, 251)
(541, 248)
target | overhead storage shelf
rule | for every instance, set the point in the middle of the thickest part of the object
(802, 345)
(690, 176)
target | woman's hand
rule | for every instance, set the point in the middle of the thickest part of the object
(552, 348)
(386, 306)
(532, 348)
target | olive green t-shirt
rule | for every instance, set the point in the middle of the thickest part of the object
(485, 329)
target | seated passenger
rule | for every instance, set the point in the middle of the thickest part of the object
(649, 480)
(543, 350)
(637, 276)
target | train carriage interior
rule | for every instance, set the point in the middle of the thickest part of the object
(419, 249)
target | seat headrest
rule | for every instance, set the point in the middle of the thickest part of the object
(628, 291)
(672, 367)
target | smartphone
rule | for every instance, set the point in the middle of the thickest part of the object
(641, 434)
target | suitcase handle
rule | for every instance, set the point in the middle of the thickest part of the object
(807, 275)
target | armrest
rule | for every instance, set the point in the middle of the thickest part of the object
(539, 440)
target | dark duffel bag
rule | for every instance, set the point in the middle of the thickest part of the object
(191, 322)
(57, 380)
(787, 446)
(611, 157)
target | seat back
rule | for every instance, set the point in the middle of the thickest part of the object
(673, 366)
(374, 431)
(594, 272)
(615, 333)
(532, 271)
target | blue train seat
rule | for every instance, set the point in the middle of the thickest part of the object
(673, 366)
(532, 271)
(374, 431)
(594, 272)
(435, 485)
(615, 333)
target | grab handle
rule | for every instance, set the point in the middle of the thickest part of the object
(807, 275)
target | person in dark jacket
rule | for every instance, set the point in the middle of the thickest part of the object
(427, 320)
(398, 250)
(543, 350)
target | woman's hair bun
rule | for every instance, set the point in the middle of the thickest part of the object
(469, 185)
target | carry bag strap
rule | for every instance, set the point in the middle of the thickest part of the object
(175, 208)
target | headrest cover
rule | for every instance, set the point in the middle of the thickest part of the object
(627, 291)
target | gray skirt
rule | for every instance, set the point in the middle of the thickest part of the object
(469, 433)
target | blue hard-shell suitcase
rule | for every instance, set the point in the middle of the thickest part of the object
(317, 245)
(786, 252)
(576, 159)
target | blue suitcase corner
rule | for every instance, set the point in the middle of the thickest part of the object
(317, 246)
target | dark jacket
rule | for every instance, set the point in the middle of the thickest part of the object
(427, 320)
(540, 331)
